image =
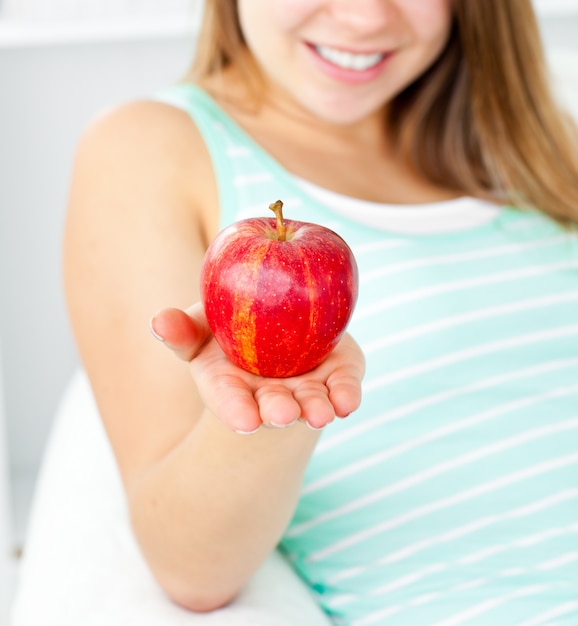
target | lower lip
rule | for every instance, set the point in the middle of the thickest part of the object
(350, 77)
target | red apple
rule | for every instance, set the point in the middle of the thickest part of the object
(278, 294)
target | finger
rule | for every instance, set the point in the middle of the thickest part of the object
(225, 391)
(184, 332)
(277, 406)
(197, 313)
(237, 407)
(230, 401)
(344, 393)
(344, 381)
(316, 409)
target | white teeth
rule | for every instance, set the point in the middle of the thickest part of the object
(348, 60)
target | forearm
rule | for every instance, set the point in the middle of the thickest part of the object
(208, 514)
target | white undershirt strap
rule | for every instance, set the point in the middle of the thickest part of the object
(411, 219)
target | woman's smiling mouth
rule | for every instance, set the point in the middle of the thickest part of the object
(356, 62)
(347, 67)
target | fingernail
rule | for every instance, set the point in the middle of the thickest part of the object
(153, 332)
(275, 425)
(304, 421)
(248, 432)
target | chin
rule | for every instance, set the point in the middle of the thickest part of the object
(343, 115)
(343, 109)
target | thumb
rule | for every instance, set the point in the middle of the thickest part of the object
(183, 332)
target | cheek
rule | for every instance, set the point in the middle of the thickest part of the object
(278, 15)
(430, 20)
(269, 26)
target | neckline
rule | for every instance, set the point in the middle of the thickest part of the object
(505, 214)
(429, 218)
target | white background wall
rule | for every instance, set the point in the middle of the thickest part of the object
(48, 95)
(49, 90)
(5, 518)
(50, 87)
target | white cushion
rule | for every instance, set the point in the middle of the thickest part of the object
(81, 564)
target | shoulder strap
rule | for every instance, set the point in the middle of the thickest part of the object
(245, 179)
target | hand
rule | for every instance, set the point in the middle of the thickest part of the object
(243, 401)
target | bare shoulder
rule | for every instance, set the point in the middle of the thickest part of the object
(150, 146)
(143, 123)
(142, 187)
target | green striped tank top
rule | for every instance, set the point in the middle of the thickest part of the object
(451, 496)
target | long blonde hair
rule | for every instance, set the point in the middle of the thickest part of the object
(481, 120)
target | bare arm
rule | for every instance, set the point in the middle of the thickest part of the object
(206, 503)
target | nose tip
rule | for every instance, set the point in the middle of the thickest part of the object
(362, 14)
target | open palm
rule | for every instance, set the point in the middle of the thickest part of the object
(245, 401)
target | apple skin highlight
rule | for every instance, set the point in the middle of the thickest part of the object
(278, 307)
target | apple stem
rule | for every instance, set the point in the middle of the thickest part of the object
(277, 208)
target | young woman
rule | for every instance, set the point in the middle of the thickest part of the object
(426, 135)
